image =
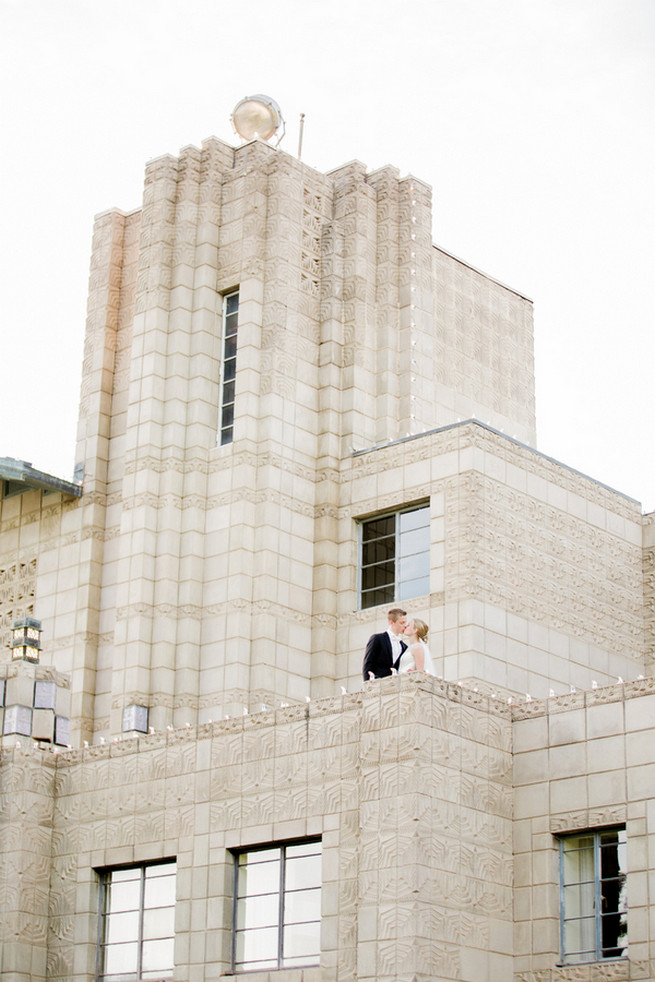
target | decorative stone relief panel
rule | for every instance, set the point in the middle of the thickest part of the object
(518, 552)
(649, 592)
(17, 592)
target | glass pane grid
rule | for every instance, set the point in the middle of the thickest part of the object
(395, 557)
(379, 551)
(138, 923)
(593, 897)
(228, 374)
(374, 577)
(416, 518)
(373, 598)
(278, 929)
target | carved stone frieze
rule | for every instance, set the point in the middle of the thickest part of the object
(648, 566)
(587, 819)
(17, 594)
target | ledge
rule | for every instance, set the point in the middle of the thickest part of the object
(19, 476)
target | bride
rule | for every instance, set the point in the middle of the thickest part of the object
(417, 657)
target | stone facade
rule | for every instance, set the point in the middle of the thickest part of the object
(582, 762)
(200, 603)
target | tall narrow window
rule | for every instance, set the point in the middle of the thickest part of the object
(395, 557)
(277, 907)
(229, 368)
(593, 902)
(136, 931)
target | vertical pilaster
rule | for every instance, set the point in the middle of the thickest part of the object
(390, 382)
(416, 333)
(175, 629)
(92, 456)
(200, 195)
(355, 212)
(99, 349)
(297, 205)
(330, 439)
(145, 441)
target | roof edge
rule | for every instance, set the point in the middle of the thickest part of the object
(19, 477)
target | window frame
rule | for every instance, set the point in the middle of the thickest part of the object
(596, 914)
(398, 581)
(104, 877)
(280, 925)
(226, 430)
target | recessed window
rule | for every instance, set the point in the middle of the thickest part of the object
(395, 556)
(593, 898)
(229, 366)
(136, 929)
(277, 907)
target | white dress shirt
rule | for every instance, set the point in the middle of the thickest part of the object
(395, 646)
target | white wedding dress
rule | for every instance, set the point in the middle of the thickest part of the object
(407, 663)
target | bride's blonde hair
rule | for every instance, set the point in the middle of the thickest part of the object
(421, 629)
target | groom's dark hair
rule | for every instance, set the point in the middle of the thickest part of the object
(395, 613)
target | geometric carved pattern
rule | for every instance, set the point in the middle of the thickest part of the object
(17, 590)
(515, 551)
(312, 221)
(649, 602)
(392, 777)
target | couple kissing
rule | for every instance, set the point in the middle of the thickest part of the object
(402, 647)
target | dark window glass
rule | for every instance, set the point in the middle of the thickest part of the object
(377, 576)
(384, 595)
(230, 350)
(379, 550)
(229, 366)
(228, 393)
(376, 528)
(395, 557)
(593, 897)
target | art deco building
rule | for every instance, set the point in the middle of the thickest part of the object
(297, 412)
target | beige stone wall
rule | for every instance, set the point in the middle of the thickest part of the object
(649, 592)
(483, 357)
(48, 544)
(536, 578)
(536, 583)
(199, 580)
(27, 801)
(19, 550)
(584, 761)
(408, 783)
(440, 859)
(195, 579)
(207, 570)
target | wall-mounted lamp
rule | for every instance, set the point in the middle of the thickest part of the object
(26, 640)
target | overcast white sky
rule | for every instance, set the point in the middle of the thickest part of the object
(533, 121)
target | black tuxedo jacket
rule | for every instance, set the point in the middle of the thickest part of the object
(377, 658)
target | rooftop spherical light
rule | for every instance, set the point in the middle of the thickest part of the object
(257, 116)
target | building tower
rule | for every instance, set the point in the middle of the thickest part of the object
(295, 413)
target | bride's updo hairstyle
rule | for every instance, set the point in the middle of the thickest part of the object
(421, 629)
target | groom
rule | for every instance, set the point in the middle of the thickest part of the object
(384, 650)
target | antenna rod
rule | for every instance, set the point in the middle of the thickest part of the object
(302, 126)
